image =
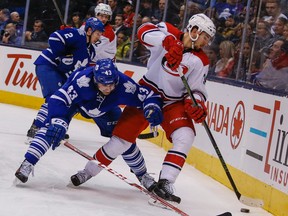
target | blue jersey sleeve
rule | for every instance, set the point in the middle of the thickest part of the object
(136, 95)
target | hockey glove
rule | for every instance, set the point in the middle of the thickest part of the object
(175, 51)
(153, 114)
(56, 132)
(196, 112)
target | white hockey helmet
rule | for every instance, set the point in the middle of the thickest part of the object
(102, 8)
(203, 23)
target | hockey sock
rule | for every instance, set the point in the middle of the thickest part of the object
(38, 147)
(135, 160)
(41, 115)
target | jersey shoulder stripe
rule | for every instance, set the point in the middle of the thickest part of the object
(145, 29)
(202, 56)
(109, 33)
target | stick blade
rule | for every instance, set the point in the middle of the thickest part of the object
(148, 135)
(251, 201)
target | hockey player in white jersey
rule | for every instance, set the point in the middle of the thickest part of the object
(171, 50)
(106, 46)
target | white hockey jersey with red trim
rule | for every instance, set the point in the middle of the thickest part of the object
(106, 46)
(160, 77)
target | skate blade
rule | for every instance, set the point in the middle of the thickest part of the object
(28, 140)
(158, 204)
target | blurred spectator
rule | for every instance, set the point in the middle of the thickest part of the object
(278, 27)
(181, 17)
(119, 24)
(273, 9)
(262, 35)
(38, 34)
(158, 13)
(229, 25)
(10, 35)
(225, 65)
(116, 9)
(236, 36)
(15, 18)
(146, 19)
(285, 32)
(244, 63)
(228, 8)
(123, 45)
(90, 13)
(140, 53)
(128, 14)
(4, 19)
(146, 8)
(274, 74)
(76, 20)
(212, 52)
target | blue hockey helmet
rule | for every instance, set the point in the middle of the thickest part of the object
(106, 72)
(94, 24)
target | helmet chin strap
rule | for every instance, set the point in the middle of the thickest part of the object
(193, 39)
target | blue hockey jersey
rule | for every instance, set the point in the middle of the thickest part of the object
(67, 50)
(80, 94)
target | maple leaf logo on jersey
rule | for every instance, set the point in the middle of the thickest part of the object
(130, 87)
(83, 81)
(95, 112)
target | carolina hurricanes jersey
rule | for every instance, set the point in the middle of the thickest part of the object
(106, 46)
(160, 77)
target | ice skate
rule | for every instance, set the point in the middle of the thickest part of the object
(31, 133)
(24, 171)
(164, 189)
(147, 181)
(81, 177)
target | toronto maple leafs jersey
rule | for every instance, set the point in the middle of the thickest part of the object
(80, 94)
(160, 77)
(67, 50)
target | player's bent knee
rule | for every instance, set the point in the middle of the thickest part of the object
(116, 146)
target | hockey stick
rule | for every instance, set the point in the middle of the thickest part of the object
(59, 12)
(154, 133)
(243, 199)
(123, 178)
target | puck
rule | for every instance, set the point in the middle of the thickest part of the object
(244, 210)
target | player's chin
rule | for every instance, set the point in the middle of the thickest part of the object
(106, 93)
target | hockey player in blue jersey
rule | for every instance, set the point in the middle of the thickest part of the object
(69, 49)
(95, 92)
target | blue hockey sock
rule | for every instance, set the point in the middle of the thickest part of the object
(135, 160)
(41, 115)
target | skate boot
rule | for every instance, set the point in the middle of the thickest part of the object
(24, 171)
(164, 189)
(147, 181)
(31, 133)
(81, 177)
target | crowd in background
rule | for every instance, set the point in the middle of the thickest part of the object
(250, 44)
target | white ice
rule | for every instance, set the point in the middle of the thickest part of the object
(49, 192)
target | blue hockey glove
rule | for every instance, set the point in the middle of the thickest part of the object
(153, 114)
(56, 132)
